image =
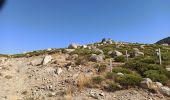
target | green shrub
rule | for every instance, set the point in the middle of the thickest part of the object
(129, 80)
(112, 87)
(97, 79)
(166, 56)
(110, 75)
(149, 60)
(141, 67)
(80, 61)
(101, 68)
(103, 40)
(120, 59)
(155, 75)
(122, 70)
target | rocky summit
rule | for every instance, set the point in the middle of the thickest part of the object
(105, 70)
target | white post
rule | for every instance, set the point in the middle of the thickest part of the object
(127, 56)
(111, 65)
(160, 59)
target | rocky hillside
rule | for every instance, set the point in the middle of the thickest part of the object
(164, 41)
(105, 70)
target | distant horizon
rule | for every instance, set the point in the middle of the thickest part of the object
(76, 43)
(27, 25)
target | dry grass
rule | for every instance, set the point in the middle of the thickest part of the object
(8, 76)
(68, 95)
(83, 81)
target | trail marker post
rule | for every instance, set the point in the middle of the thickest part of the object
(159, 54)
(127, 56)
(110, 65)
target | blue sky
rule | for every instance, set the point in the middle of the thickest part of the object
(27, 25)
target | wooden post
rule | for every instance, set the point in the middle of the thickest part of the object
(111, 65)
(160, 59)
(127, 56)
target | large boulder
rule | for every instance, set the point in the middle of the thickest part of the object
(116, 53)
(165, 90)
(97, 50)
(142, 46)
(84, 46)
(158, 84)
(96, 58)
(137, 53)
(47, 59)
(36, 61)
(168, 68)
(146, 83)
(109, 41)
(73, 46)
(69, 50)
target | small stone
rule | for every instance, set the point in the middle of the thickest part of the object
(47, 59)
(102, 94)
(120, 74)
(58, 71)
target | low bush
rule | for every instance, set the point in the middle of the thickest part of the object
(155, 75)
(129, 80)
(101, 68)
(97, 79)
(149, 60)
(112, 87)
(81, 61)
(120, 59)
(122, 70)
(83, 52)
(110, 75)
(141, 67)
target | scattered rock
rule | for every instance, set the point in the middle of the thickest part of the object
(165, 90)
(3, 59)
(8, 76)
(73, 46)
(47, 59)
(136, 49)
(97, 50)
(69, 50)
(168, 69)
(75, 76)
(165, 44)
(51, 94)
(146, 83)
(96, 94)
(116, 53)
(58, 71)
(142, 46)
(120, 74)
(49, 49)
(84, 46)
(110, 52)
(158, 84)
(109, 41)
(96, 58)
(36, 61)
(137, 52)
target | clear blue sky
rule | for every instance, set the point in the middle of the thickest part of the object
(27, 25)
